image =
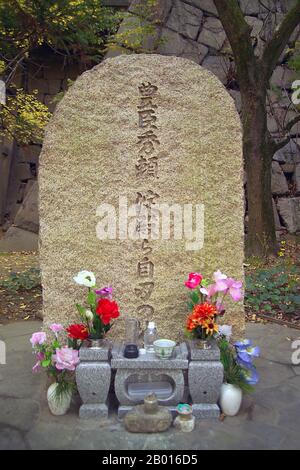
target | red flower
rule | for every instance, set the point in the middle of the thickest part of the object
(107, 310)
(77, 331)
(194, 280)
(201, 314)
(205, 310)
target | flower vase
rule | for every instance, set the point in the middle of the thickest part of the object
(230, 399)
(58, 405)
(96, 343)
(202, 344)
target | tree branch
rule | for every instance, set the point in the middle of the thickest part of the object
(276, 45)
(294, 121)
(238, 33)
(278, 145)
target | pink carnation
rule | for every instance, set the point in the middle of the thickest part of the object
(66, 358)
(56, 327)
(38, 338)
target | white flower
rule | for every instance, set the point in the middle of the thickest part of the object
(225, 330)
(89, 315)
(85, 278)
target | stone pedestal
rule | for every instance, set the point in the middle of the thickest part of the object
(205, 378)
(136, 378)
(93, 376)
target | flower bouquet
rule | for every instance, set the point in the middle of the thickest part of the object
(240, 374)
(238, 362)
(97, 314)
(207, 303)
(59, 361)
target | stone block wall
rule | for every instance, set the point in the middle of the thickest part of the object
(190, 29)
(48, 75)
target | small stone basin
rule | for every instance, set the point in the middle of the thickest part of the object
(139, 390)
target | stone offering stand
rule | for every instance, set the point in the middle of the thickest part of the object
(191, 375)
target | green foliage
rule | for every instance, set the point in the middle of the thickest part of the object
(294, 60)
(273, 289)
(77, 27)
(24, 117)
(27, 280)
(65, 387)
(194, 298)
(233, 373)
(141, 24)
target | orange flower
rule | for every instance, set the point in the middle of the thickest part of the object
(192, 322)
(201, 314)
(205, 310)
(210, 327)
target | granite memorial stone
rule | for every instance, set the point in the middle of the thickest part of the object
(141, 182)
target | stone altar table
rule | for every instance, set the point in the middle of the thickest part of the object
(136, 378)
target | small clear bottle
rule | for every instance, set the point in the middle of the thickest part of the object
(149, 337)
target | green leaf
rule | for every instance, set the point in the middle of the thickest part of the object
(92, 298)
(46, 363)
(81, 310)
(195, 295)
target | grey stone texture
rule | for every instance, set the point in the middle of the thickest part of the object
(93, 378)
(205, 380)
(290, 153)
(212, 34)
(206, 411)
(93, 411)
(251, 7)
(289, 210)
(17, 239)
(179, 359)
(278, 180)
(27, 216)
(205, 377)
(140, 420)
(145, 370)
(175, 378)
(91, 354)
(207, 6)
(278, 225)
(185, 19)
(269, 418)
(173, 44)
(196, 354)
(218, 65)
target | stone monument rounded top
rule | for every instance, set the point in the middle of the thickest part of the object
(141, 182)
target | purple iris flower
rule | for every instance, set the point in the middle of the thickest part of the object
(245, 364)
(243, 344)
(251, 376)
(244, 357)
(246, 352)
(105, 292)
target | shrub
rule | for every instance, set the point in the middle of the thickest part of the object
(273, 289)
(26, 280)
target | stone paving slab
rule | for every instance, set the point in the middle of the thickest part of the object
(269, 418)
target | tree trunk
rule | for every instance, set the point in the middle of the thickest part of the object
(261, 236)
